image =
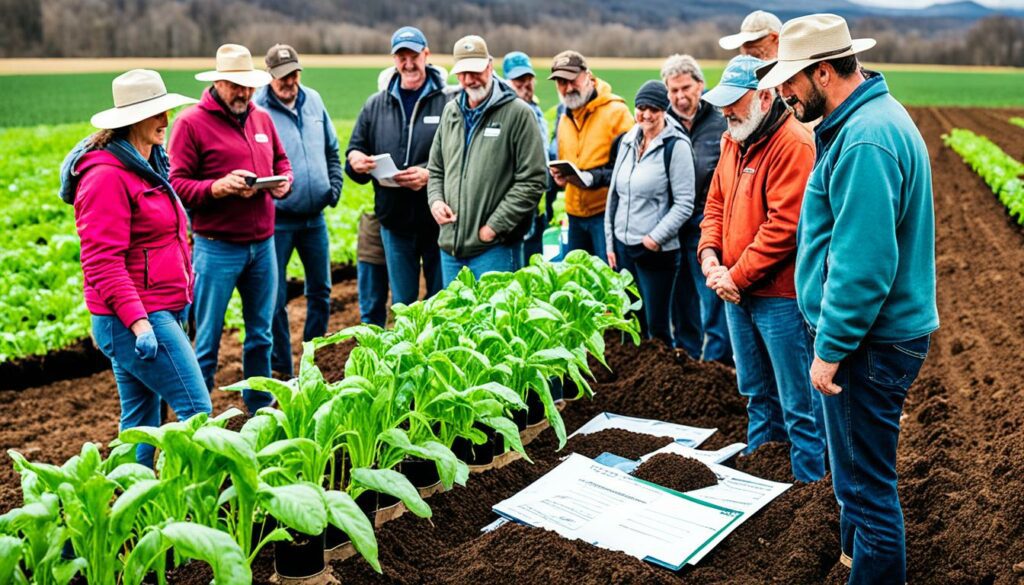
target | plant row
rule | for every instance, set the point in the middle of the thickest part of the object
(315, 467)
(41, 304)
(1000, 171)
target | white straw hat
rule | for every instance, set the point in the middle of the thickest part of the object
(807, 40)
(757, 25)
(138, 94)
(234, 64)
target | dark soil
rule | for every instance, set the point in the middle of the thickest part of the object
(683, 474)
(622, 443)
(959, 460)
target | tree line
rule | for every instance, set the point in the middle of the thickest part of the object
(186, 28)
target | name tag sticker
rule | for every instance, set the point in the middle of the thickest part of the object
(492, 132)
(749, 171)
(431, 119)
(260, 137)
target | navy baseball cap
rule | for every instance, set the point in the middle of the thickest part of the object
(739, 77)
(517, 64)
(408, 37)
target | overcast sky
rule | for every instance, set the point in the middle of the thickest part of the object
(923, 3)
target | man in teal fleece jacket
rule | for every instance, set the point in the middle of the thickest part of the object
(865, 275)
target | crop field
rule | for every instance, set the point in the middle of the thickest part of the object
(462, 366)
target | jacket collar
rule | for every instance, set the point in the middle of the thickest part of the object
(432, 84)
(266, 96)
(501, 94)
(873, 87)
(214, 105)
(777, 116)
(672, 128)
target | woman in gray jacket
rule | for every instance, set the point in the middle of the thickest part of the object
(651, 195)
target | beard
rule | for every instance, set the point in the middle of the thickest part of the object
(478, 94)
(739, 129)
(575, 99)
(238, 106)
(812, 108)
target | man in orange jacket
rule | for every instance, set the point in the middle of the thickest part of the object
(747, 251)
(594, 117)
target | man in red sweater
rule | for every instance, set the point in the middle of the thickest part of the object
(217, 149)
(747, 251)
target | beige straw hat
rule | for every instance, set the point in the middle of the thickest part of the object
(757, 25)
(234, 64)
(138, 94)
(807, 40)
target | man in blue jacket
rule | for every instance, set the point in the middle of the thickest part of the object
(309, 140)
(865, 275)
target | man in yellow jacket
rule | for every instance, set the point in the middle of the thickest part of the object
(594, 117)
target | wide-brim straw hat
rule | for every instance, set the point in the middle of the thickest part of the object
(234, 64)
(807, 40)
(757, 25)
(138, 94)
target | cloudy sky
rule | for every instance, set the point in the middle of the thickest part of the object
(922, 3)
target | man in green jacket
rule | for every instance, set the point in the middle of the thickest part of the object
(865, 275)
(487, 169)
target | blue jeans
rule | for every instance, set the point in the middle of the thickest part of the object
(533, 241)
(698, 315)
(587, 233)
(252, 268)
(653, 273)
(310, 239)
(497, 258)
(862, 424)
(403, 254)
(174, 375)
(773, 361)
(373, 293)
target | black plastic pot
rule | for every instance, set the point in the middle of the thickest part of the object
(534, 409)
(421, 473)
(261, 529)
(302, 557)
(556, 388)
(472, 454)
(335, 537)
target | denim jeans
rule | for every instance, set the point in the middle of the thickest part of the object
(372, 280)
(310, 239)
(587, 233)
(773, 361)
(220, 268)
(497, 258)
(533, 241)
(698, 315)
(862, 424)
(174, 375)
(653, 273)
(403, 254)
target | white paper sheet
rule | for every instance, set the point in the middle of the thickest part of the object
(706, 457)
(688, 436)
(583, 499)
(385, 169)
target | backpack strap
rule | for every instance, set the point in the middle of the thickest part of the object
(669, 145)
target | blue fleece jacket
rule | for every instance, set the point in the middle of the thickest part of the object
(312, 146)
(865, 263)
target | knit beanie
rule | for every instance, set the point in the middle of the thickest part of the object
(652, 94)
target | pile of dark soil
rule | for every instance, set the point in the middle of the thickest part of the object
(622, 443)
(683, 474)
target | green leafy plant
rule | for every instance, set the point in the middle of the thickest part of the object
(1000, 171)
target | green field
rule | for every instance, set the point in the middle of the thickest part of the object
(56, 99)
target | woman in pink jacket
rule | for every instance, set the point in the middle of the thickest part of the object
(135, 254)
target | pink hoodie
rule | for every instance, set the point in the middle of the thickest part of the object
(206, 143)
(135, 253)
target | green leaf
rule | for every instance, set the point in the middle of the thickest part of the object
(235, 449)
(389, 481)
(124, 511)
(230, 567)
(298, 506)
(128, 474)
(148, 551)
(447, 462)
(65, 571)
(509, 431)
(344, 514)
(10, 555)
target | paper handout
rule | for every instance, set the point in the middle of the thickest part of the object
(385, 170)
(688, 436)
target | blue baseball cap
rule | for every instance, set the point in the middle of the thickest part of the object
(408, 37)
(739, 77)
(517, 64)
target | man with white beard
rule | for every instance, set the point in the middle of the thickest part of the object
(486, 169)
(747, 251)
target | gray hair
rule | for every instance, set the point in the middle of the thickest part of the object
(681, 65)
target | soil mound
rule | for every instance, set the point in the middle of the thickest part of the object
(617, 441)
(683, 474)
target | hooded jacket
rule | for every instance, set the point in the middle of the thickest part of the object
(585, 138)
(207, 142)
(706, 137)
(754, 204)
(383, 128)
(312, 147)
(638, 202)
(496, 179)
(135, 252)
(865, 261)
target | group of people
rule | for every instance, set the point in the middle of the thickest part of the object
(805, 257)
